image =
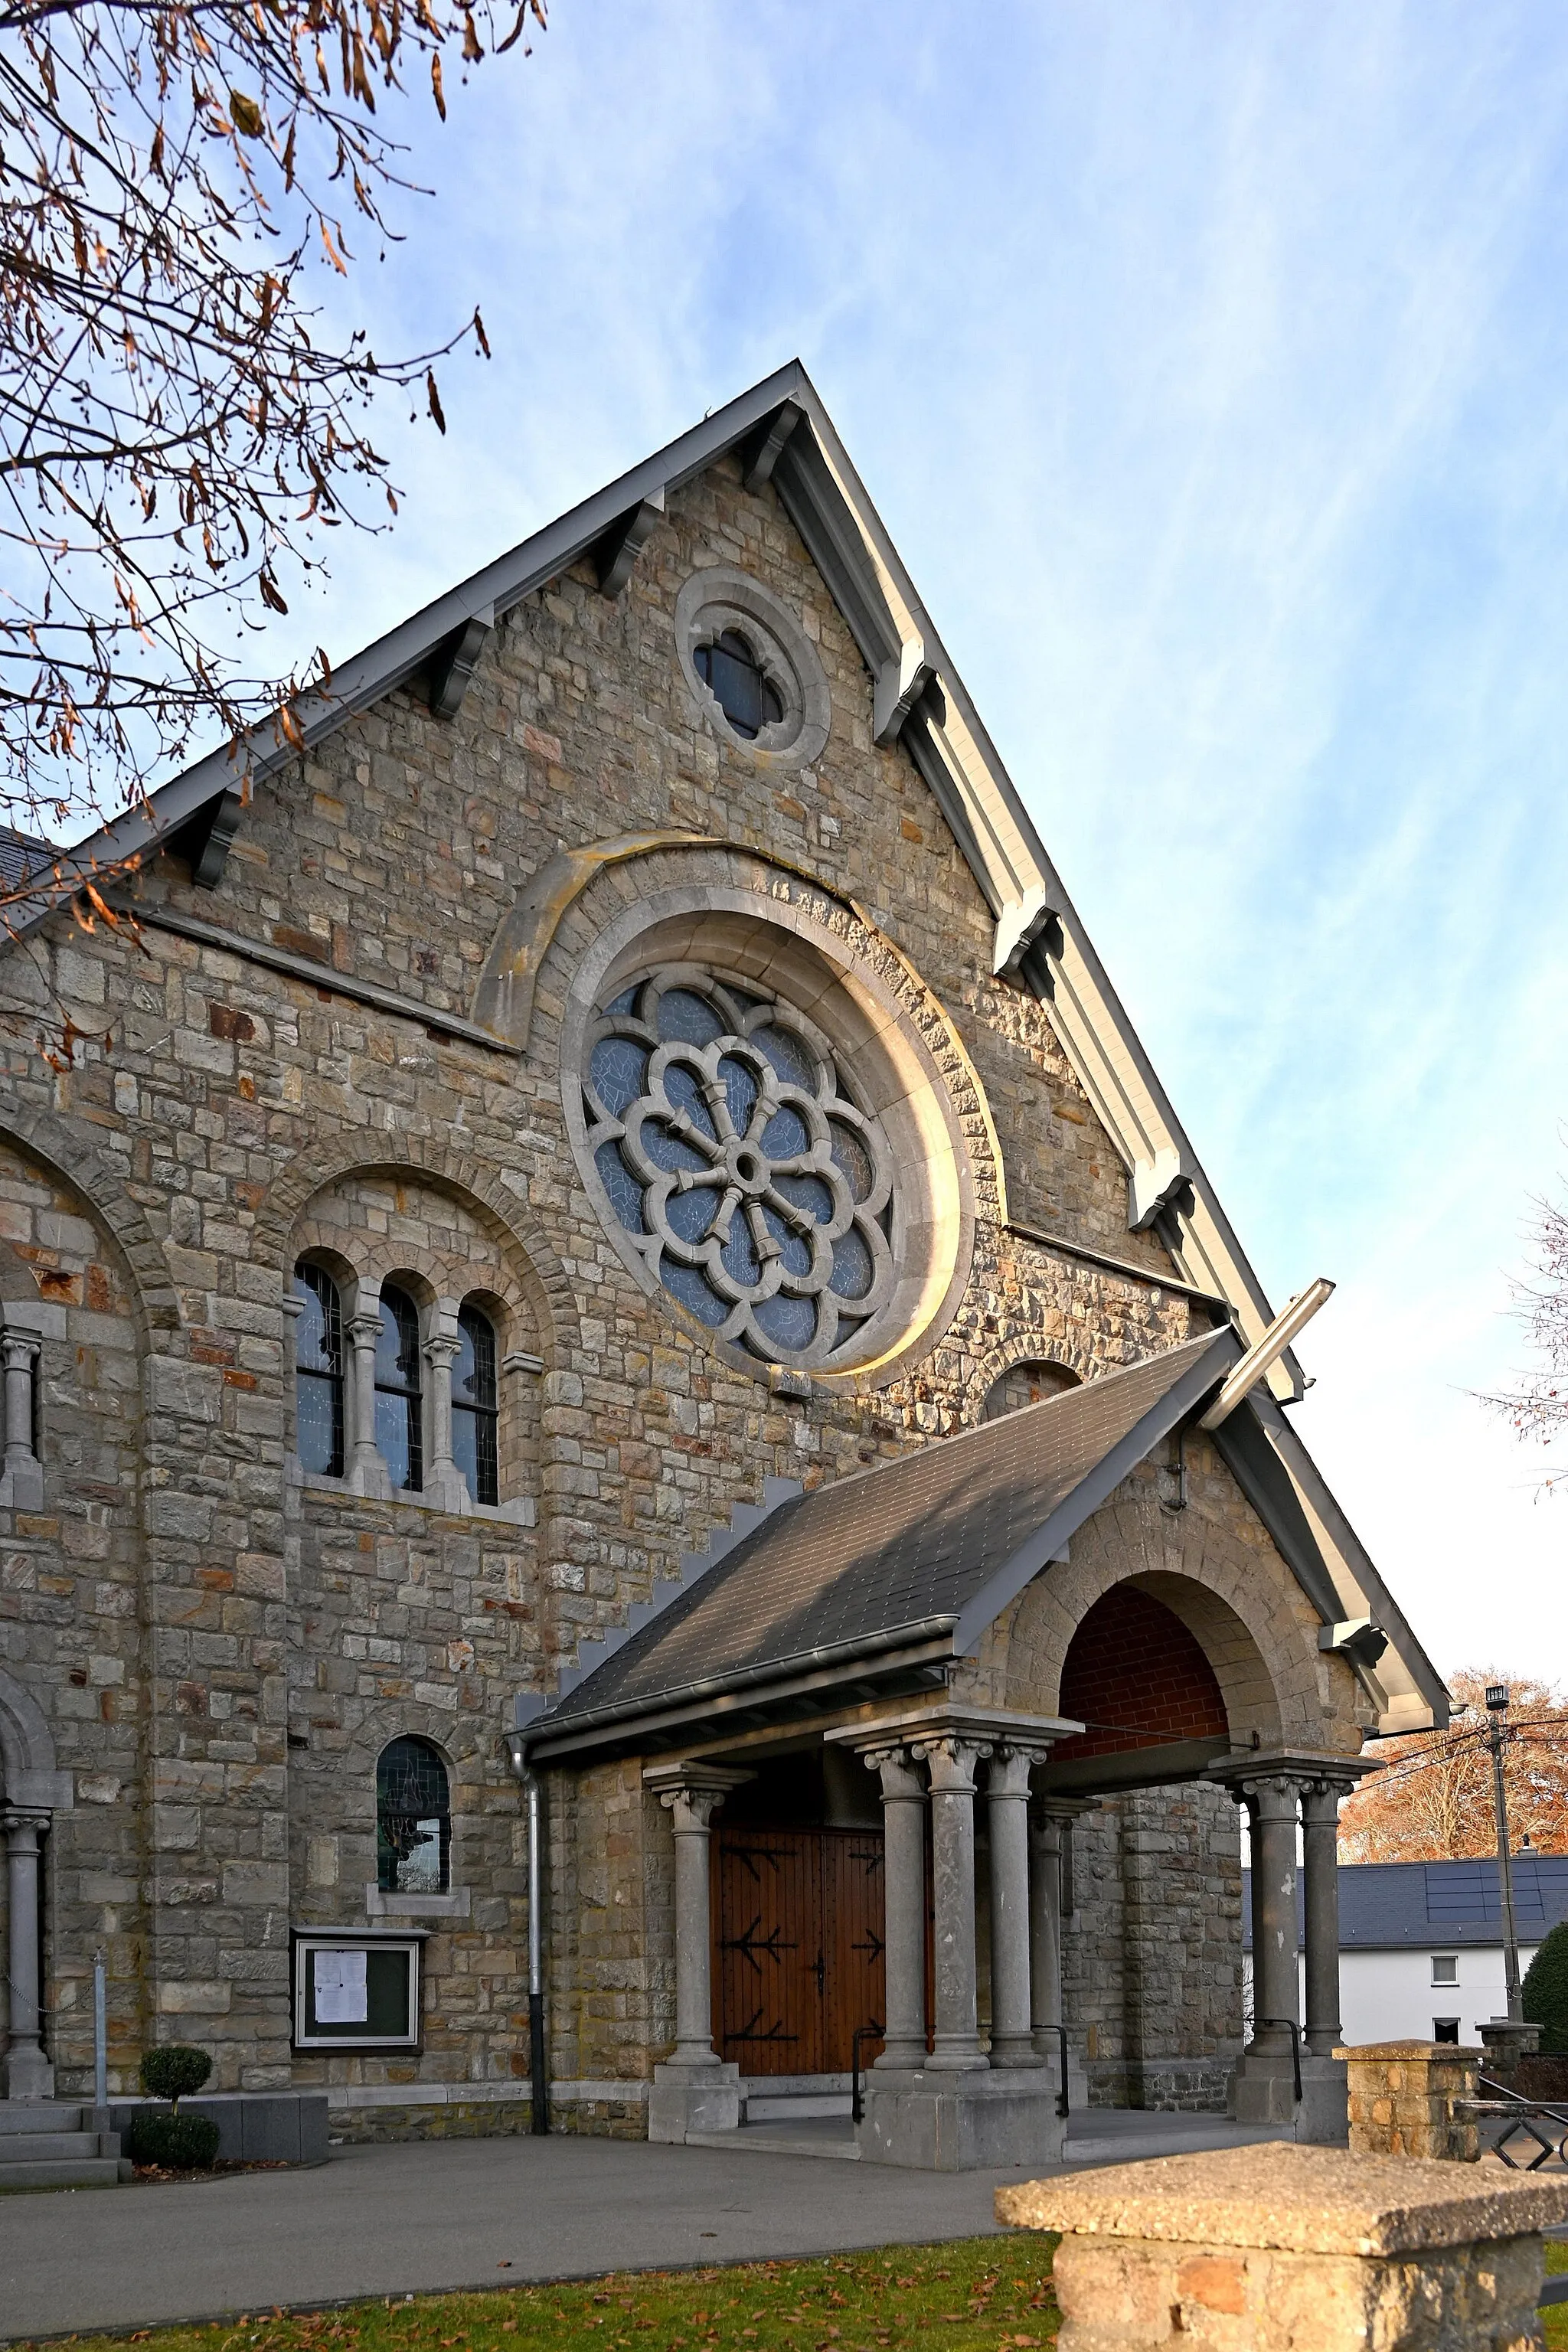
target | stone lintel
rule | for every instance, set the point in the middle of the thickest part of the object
(950, 1718)
(1290, 1764)
(1296, 2199)
(689, 1775)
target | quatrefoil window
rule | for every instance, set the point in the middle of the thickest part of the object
(735, 1152)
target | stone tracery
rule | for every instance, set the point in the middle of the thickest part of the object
(731, 1146)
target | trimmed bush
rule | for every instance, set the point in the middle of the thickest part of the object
(1546, 1989)
(174, 2142)
(174, 2072)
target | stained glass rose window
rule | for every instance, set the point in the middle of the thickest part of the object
(740, 1158)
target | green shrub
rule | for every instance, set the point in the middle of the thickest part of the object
(174, 2142)
(1546, 1989)
(175, 2072)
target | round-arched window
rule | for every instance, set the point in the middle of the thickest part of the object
(738, 1152)
(1026, 1383)
(412, 1820)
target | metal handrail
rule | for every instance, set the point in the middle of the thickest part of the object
(1295, 2032)
(1062, 2087)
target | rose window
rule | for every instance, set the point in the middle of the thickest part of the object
(736, 1154)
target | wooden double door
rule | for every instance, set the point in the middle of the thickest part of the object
(797, 1949)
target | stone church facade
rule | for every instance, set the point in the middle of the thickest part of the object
(632, 1082)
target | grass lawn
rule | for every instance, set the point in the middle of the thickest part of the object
(975, 2295)
(1555, 2319)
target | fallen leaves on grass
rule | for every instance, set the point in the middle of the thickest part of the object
(861, 2302)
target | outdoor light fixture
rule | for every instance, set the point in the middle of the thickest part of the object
(1496, 1697)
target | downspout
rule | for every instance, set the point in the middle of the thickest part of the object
(539, 2080)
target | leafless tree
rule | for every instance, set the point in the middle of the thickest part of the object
(179, 424)
(1538, 1406)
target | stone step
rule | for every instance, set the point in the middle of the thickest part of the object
(789, 2106)
(38, 2114)
(75, 2172)
(29, 2147)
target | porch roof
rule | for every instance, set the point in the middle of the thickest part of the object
(932, 1545)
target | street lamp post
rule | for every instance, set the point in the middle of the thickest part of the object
(1497, 1709)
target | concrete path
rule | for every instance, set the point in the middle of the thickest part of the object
(483, 2212)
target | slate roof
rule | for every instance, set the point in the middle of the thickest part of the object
(21, 856)
(1440, 1906)
(951, 1534)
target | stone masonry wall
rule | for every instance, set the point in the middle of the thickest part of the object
(247, 1642)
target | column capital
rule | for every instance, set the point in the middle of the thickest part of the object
(899, 1774)
(441, 1346)
(20, 1348)
(1008, 1778)
(951, 1761)
(364, 1330)
(14, 1818)
(692, 1792)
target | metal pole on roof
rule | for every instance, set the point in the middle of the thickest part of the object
(1497, 1709)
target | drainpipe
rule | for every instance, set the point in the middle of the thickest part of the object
(539, 2085)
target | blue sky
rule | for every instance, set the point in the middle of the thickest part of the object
(1209, 366)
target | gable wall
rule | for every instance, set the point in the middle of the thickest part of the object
(290, 1631)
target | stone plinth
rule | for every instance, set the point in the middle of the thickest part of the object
(1507, 2039)
(959, 2122)
(1402, 2099)
(694, 2099)
(1289, 2249)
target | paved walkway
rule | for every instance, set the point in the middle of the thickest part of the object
(483, 2212)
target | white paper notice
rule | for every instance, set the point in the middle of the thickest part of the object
(340, 1989)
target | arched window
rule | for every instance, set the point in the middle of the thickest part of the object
(733, 677)
(399, 1426)
(1026, 1383)
(318, 1372)
(412, 1820)
(474, 1447)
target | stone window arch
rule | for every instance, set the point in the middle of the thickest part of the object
(476, 1402)
(319, 1382)
(413, 1818)
(1026, 1384)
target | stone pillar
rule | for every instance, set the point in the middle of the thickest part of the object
(1320, 1840)
(446, 1488)
(367, 1473)
(1046, 1926)
(1276, 1991)
(904, 1925)
(1007, 1799)
(24, 1473)
(1406, 2098)
(1309, 2247)
(29, 2073)
(693, 2090)
(951, 1762)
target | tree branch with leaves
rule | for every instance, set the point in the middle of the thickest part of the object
(179, 424)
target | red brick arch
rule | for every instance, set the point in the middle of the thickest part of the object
(1139, 1678)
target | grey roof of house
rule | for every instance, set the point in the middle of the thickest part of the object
(22, 854)
(949, 1534)
(1440, 1906)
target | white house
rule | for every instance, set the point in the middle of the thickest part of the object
(1421, 1943)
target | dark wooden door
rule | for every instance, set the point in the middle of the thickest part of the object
(797, 1960)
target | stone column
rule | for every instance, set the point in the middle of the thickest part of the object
(1007, 1796)
(1320, 1820)
(23, 1473)
(29, 2073)
(367, 1473)
(951, 1763)
(693, 1811)
(1273, 1803)
(445, 1489)
(904, 1925)
(693, 2090)
(1046, 1926)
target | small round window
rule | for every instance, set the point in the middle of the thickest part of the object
(739, 684)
